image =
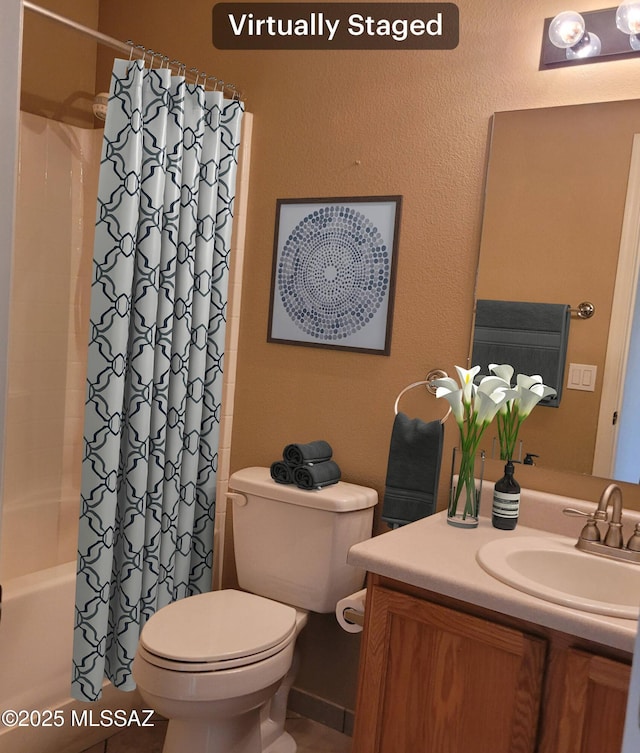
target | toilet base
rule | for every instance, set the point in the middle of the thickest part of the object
(240, 734)
(283, 744)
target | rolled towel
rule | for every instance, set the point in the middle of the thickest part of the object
(282, 472)
(312, 452)
(317, 476)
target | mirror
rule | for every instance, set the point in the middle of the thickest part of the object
(555, 198)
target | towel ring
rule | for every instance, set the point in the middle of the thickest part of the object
(410, 387)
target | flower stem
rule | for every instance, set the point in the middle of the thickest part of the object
(508, 427)
(470, 434)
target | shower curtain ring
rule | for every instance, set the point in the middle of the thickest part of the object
(152, 56)
(215, 78)
(131, 45)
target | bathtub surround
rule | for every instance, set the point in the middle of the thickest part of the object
(154, 382)
(58, 173)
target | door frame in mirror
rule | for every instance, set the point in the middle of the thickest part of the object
(624, 300)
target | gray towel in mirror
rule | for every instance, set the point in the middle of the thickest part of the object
(532, 337)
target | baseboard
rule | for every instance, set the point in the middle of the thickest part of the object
(321, 710)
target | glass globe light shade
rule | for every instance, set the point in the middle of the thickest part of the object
(634, 42)
(588, 47)
(628, 17)
(566, 29)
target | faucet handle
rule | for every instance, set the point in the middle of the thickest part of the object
(591, 531)
(634, 540)
(596, 515)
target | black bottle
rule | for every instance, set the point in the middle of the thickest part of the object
(506, 501)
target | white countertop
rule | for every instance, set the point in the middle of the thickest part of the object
(436, 556)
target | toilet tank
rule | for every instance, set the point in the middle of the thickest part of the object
(291, 544)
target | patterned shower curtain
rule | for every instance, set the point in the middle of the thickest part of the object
(154, 382)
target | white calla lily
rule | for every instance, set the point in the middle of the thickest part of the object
(521, 400)
(475, 407)
(489, 384)
(446, 382)
(466, 377)
(454, 398)
(529, 398)
(504, 371)
(488, 405)
(527, 382)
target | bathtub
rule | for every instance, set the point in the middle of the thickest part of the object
(36, 634)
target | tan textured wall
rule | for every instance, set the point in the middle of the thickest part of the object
(367, 123)
(58, 64)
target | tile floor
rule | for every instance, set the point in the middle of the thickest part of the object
(310, 736)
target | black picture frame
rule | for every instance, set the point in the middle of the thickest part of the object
(334, 272)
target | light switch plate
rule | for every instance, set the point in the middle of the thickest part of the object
(582, 376)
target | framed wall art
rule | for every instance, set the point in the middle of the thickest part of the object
(334, 268)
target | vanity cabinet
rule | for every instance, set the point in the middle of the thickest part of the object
(440, 676)
(587, 704)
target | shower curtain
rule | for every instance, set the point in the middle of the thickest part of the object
(154, 380)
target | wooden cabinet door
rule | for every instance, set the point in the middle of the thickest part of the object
(592, 705)
(434, 680)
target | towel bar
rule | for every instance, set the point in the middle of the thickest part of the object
(584, 310)
(433, 374)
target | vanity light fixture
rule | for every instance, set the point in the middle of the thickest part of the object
(628, 21)
(568, 31)
(572, 38)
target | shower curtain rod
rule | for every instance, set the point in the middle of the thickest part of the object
(128, 48)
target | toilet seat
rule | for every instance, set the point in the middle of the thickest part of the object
(217, 630)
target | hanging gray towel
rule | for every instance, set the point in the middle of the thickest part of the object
(311, 452)
(317, 476)
(413, 470)
(532, 337)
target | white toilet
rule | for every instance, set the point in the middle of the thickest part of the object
(220, 665)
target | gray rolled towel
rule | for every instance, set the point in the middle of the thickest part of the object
(282, 472)
(317, 476)
(311, 452)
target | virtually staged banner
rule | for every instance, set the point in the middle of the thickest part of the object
(335, 26)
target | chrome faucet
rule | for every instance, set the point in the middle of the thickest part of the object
(613, 545)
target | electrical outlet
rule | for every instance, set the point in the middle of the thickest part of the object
(582, 377)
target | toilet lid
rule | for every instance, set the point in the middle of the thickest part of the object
(219, 626)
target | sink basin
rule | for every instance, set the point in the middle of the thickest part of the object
(552, 569)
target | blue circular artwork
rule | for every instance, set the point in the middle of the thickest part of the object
(333, 273)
